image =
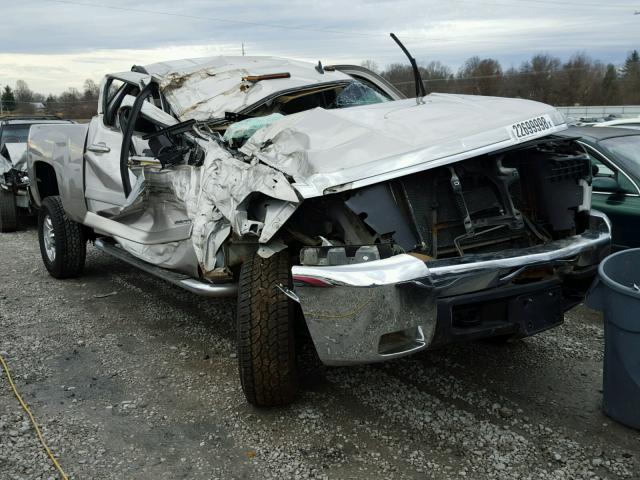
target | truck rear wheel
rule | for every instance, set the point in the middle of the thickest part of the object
(63, 244)
(8, 212)
(265, 329)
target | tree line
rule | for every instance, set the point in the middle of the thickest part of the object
(72, 103)
(545, 78)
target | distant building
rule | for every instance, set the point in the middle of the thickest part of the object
(601, 111)
(38, 106)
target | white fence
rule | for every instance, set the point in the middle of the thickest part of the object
(601, 111)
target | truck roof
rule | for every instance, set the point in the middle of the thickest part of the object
(201, 88)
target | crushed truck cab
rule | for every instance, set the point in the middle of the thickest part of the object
(320, 195)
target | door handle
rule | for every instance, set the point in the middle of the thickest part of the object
(100, 147)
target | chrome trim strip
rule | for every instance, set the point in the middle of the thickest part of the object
(396, 269)
(631, 195)
(406, 268)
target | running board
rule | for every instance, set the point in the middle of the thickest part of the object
(186, 282)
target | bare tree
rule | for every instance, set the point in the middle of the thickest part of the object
(371, 65)
(91, 89)
(481, 76)
(24, 97)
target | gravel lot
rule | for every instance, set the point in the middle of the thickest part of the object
(132, 378)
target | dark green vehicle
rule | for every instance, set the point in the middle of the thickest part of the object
(615, 155)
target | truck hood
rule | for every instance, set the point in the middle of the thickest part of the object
(326, 151)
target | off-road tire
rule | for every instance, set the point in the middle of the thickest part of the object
(8, 212)
(70, 240)
(265, 330)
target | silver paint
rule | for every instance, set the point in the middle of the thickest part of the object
(358, 304)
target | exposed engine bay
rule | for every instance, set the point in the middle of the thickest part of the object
(516, 198)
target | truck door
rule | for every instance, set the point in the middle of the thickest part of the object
(103, 180)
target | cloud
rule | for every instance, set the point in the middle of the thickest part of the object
(55, 45)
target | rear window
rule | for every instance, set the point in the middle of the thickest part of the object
(14, 134)
(626, 147)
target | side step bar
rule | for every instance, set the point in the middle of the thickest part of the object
(186, 282)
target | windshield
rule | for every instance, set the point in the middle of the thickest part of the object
(327, 96)
(628, 148)
(14, 134)
(356, 94)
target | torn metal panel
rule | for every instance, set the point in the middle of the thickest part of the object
(208, 87)
(333, 150)
(179, 256)
(5, 165)
(214, 233)
(215, 197)
(276, 215)
(17, 155)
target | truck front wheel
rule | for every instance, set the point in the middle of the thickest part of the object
(63, 244)
(265, 329)
(8, 212)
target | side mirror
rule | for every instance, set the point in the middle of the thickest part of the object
(606, 184)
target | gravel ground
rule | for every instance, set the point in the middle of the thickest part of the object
(132, 378)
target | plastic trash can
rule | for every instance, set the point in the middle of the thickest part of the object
(616, 292)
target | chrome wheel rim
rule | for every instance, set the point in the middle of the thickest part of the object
(49, 237)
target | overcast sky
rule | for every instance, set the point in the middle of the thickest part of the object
(55, 44)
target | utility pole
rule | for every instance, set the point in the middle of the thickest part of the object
(1, 109)
(243, 49)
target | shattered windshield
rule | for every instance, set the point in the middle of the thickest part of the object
(356, 94)
(327, 96)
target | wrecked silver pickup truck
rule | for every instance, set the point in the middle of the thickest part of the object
(324, 199)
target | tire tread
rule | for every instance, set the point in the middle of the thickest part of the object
(71, 242)
(266, 347)
(8, 212)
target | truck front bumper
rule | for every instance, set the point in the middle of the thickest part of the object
(383, 309)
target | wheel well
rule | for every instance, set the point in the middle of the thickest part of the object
(46, 180)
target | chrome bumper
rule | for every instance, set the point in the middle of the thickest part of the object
(374, 311)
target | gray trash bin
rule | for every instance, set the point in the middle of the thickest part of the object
(616, 292)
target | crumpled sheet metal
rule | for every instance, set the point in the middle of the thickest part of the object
(322, 148)
(17, 155)
(215, 195)
(5, 165)
(204, 88)
(173, 255)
